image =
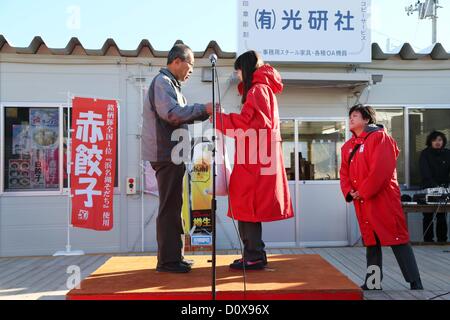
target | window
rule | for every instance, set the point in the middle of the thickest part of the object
(31, 149)
(421, 123)
(320, 145)
(394, 122)
(288, 146)
(319, 148)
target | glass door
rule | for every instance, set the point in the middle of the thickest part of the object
(312, 157)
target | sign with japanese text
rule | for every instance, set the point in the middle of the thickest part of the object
(200, 184)
(93, 162)
(306, 31)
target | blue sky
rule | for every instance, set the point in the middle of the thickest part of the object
(196, 22)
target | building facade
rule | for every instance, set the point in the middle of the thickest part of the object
(410, 91)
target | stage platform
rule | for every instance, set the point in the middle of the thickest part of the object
(286, 277)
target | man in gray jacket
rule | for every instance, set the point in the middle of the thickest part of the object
(166, 110)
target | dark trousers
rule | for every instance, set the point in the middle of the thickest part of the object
(405, 259)
(169, 226)
(441, 226)
(251, 236)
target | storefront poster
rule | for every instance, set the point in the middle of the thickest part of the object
(51, 168)
(21, 145)
(44, 134)
(19, 174)
(44, 125)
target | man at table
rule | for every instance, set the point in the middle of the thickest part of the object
(435, 171)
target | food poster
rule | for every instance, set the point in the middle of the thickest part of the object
(21, 145)
(19, 174)
(44, 132)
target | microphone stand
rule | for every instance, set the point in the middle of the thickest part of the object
(213, 201)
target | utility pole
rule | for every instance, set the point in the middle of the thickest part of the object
(426, 9)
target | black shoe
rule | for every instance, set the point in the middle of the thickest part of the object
(174, 267)
(416, 285)
(366, 288)
(240, 260)
(249, 265)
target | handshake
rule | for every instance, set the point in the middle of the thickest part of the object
(209, 108)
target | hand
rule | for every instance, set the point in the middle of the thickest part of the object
(209, 108)
(355, 195)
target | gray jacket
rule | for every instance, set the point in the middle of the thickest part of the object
(165, 110)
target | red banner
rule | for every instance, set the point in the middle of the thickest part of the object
(93, 162)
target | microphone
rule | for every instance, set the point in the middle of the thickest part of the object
(213, 58)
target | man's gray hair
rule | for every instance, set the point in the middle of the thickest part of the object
(178, 51)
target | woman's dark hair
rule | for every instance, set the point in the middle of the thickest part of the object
(248, 62)
(367, 112)
(434, 135)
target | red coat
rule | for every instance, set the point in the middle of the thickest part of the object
(255, 195)
(372, 172)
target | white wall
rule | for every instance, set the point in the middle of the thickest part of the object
(36, 225)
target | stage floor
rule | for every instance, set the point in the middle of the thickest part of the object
(286, 277)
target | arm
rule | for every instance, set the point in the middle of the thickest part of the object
(382, 165)
(254, 109)
(344, 177)
(168, 108)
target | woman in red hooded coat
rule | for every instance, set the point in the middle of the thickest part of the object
(369, 179)
(259, 190)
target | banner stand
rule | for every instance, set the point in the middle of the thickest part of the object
(69, 251)
(142, 197)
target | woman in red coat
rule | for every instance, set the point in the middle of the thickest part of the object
(259, 190)
(369, 179)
